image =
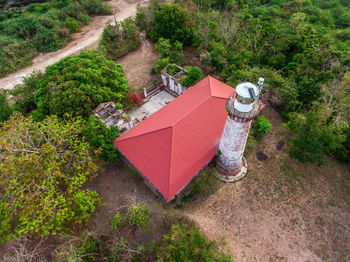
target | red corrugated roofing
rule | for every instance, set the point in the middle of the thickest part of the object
(171, 146)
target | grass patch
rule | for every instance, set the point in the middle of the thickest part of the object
(290, 173)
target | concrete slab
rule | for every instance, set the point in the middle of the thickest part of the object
(155, 103)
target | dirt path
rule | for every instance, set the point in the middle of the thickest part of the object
(137, 65)
(88, 37)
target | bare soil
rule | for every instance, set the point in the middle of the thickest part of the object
(137, 65)
(283, 210)
(87, 38)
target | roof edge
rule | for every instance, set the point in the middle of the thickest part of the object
(123, 139)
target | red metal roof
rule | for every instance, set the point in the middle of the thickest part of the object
(171, 146)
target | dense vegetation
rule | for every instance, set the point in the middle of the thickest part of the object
(119, 39)
(185, 243)
(78, 84)
(43, 166)
(182, 242)
(43, 27)
(101, 138)
(301, 48)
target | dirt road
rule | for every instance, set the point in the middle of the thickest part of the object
(88, 37)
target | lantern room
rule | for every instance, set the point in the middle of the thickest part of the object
(247, 95)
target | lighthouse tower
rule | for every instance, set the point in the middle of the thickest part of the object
(241, 110)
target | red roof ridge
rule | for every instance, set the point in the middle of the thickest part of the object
(174, 124)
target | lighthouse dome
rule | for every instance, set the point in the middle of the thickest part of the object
(246, 95)
(242, 89)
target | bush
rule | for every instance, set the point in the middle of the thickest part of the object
(160, 65)
(101, 137)
(120, 39)
(136, 216)
(163, 47)
(263, 126)
(194, 75)
(43, 166)
(176, 56)
(205, 183)
(42, 27)
(72, 24)
(141, 21)
(185, 243)
(79, 83)
(315, 137)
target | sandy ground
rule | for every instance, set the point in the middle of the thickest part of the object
(282, 210)
(87, 38)
(137, 65)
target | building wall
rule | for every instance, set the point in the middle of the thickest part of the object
(232, 144)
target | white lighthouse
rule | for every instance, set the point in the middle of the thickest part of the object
(241, 110)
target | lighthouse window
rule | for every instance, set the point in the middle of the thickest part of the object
(244, 100)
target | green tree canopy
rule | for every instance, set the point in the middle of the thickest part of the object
(23, 94)
(120, 39)
(43, 166)
(101, 138)
(172, 22)
(5, 110)
(77, 84)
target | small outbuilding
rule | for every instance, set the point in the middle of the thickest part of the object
(172, 145)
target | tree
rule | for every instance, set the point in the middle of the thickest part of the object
(120, 39)
(194, 75)
(101, 137)
(315, 136)
(23, 94)
(79, 83)
(176, 56)
(5, 110)
(171, 22)
(43, 166)
(163, 47)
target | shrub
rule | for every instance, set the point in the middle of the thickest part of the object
(185, 243)
(263, 126)
(205, 183)
(120, 39)
(315, 137)
(194, 75)
(136, 216)
(163, 47)
(160, 65)
(72, 24)
(43, 166)
(42, 27)
(101, 137)
(140, 20)
(176, 56)
(79, 83)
